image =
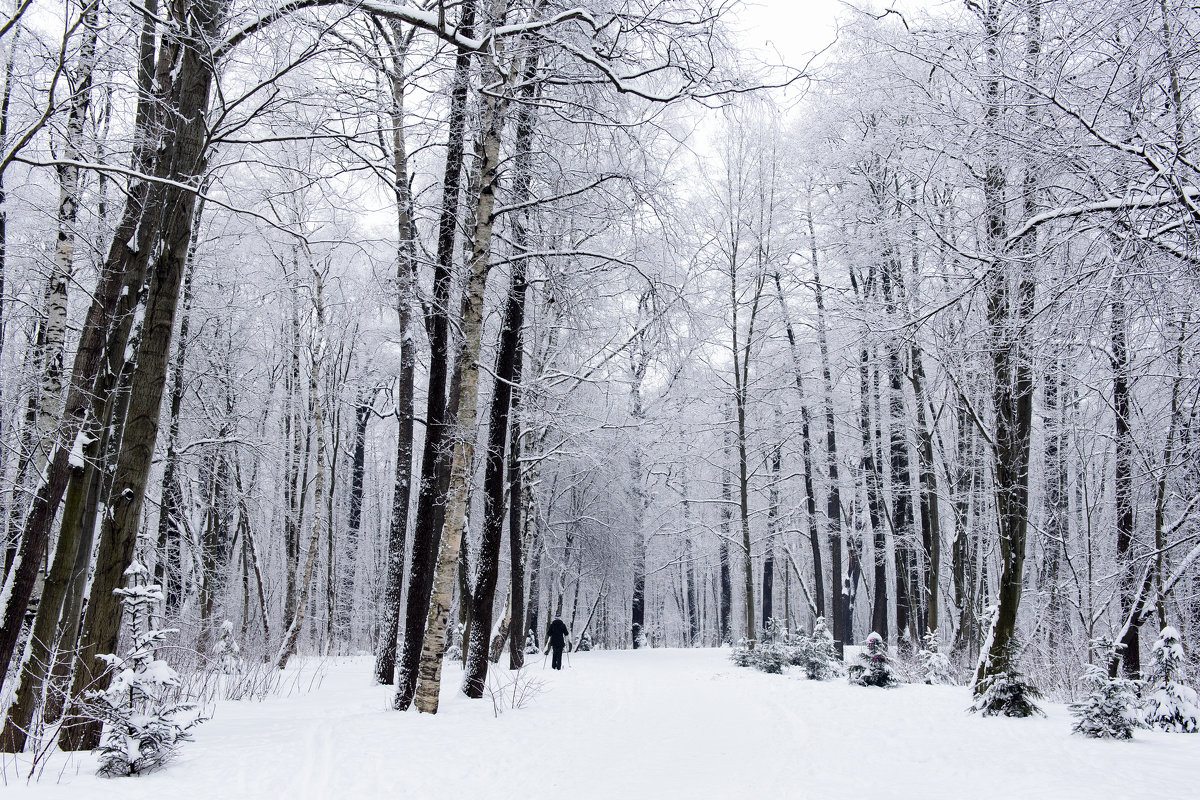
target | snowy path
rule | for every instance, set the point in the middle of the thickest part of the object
(648, 724)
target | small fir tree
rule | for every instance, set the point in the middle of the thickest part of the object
(1110, 709)
(818, 653)
(934, 664)
(875, 667)
(229, 653)
(742, 655)
(1169, 704)
(454, 648)
(143, 726)
(585, 643)
(1006, 693)
(531, 647)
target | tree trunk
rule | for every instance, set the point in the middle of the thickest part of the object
(114, 298)
(458, 495)
(1123, 481)
(483, 596)
(810, 499)
(931, 535)
(119, 530)
(839, 584)
(287, 647)
(1011, 357)
(432, 499)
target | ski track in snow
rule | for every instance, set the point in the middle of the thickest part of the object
(639, 724)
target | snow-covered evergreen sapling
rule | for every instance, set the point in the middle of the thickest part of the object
(935, 666)
(818, 654)
(1006, 693)
(229, 653)
(742, 655)
(585, 643)
(1169, 704)
(531, 647)
(1110, 709)
(143, 726)
(875, 667)
(454, 646)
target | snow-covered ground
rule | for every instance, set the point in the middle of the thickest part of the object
(640, 724)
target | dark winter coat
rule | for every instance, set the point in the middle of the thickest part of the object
(557, 634)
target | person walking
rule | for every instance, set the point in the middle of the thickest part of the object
(557, 637)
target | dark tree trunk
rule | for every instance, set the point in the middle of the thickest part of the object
(385, 654)
(1123, 482)
(483, 597)
(106, 330)
(185, 162)
(167, 569)
(810, 498)
(726, 597)
(1011, 357)
(931, 536)
(535, 586)
(344, 598)
(902, 491)
(839, 583)
(439, 414)
(870, 470)
(516, 554)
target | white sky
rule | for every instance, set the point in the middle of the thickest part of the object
(795, 29)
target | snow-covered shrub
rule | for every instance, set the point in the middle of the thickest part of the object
(875, 667)
(639, 637)
(531, 648)
(1169, 704)
(935, 666)
(585, 643)
(742, 655)
(765, 656)
(1110, 709)
(228, 652)
(770, 657)
(817, 654)
(454, 646)
(143, 726)
(1006, 694)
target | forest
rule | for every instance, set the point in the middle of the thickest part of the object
(401, 329)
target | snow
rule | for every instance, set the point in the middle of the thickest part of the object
(638, 724)
(82, 440)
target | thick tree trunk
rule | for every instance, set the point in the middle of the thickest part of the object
(1011, 357)
(458, 495)
(483, 596)
(1123, 481)
(1054, 502)
(385, 653)
(113, 300)
(431, 498)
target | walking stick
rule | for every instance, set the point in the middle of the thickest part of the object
(544, 659)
